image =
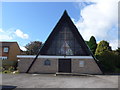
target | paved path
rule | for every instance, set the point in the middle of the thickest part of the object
(52, 81)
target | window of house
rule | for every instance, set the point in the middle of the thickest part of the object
(81, 63)
(47, 62)
(5, 49)
(3, 58)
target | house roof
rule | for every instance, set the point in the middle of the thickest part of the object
(6, 43)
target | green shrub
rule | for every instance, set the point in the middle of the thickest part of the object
(6, 71)
(8, 63)
(2, 69)
(117, 70)
(11, 68)
(109, 61)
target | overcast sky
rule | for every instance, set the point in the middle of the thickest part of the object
(30, 21)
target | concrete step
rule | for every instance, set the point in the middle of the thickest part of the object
(72, 74)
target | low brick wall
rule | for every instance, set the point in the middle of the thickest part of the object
(38, 66)
(23, 64)
(90, 66)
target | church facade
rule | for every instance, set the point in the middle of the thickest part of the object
(64, 51)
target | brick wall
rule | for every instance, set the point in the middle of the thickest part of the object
(38, 66)
(90, 66)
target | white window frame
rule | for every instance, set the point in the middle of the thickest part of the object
(5, 49)
(4, 57)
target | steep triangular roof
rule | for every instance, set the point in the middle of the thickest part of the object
(65, 19)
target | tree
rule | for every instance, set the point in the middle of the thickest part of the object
(92, 44)
(118, 51)
(33, 47)
(102, 47)
(87, 42)
(109, 61)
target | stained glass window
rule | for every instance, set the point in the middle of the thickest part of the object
(65, 43)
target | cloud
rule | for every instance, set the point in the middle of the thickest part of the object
(5, 35)
(100, 20)
(1, 30)
(20, 34)
(114, 44)
(12, 34)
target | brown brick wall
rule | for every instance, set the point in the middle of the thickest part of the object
(14, 50)
(90, 67)
(23, 64)
(38, 66)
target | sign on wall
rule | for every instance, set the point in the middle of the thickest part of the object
(81, 63)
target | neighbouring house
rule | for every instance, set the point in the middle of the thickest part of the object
(9, 52)
(64, 51)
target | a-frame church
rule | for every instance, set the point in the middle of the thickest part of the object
(64, 51)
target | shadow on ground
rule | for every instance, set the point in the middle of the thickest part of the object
(8, 87)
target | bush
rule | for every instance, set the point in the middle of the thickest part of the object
(11, 68)
(2, 69)
(117, 70)
(6, 71)
(8, 66)
(109, 61)
(8, 63)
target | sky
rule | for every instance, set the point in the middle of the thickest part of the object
(33, 21)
